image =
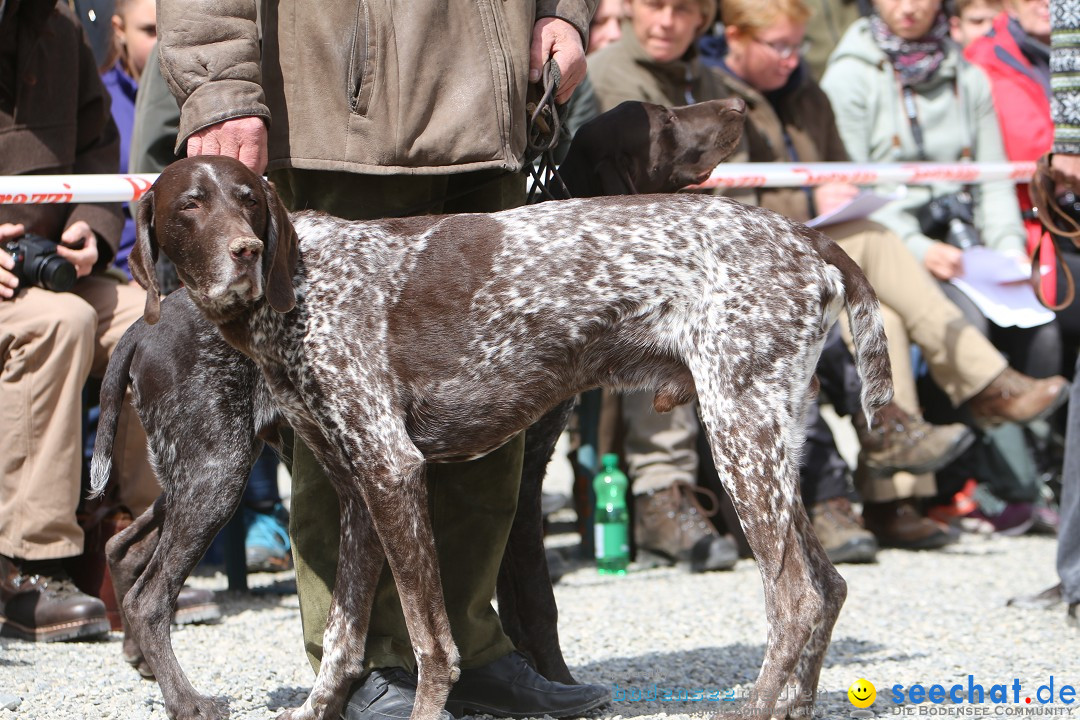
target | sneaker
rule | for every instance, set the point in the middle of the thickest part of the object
(900, 524)
(40, 603)
(671, 524)
(841, 532)
(901, 442)
(267, 545)
(1015, 397)
(962, 512)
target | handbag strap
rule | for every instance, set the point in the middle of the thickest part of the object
(1041, 190)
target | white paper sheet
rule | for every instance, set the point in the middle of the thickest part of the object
(1001, 289)
(860, 206)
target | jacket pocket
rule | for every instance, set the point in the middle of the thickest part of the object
(362, 57)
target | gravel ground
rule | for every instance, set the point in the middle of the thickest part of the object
(930, 618)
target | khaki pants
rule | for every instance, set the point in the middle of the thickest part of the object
(472, 504)
(50, 344)
(661, 448)
(915, 310)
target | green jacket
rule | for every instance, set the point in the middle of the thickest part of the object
(367, 86)
(955, 110)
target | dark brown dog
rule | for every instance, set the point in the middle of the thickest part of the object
(206, 408)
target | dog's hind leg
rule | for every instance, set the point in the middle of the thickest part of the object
(128, 553)
(755, 443)
(526, 601)
(196, 503)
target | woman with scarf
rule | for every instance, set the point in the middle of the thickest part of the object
(902, 91)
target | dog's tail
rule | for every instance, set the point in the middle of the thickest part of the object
(867, 328)
(113, 387)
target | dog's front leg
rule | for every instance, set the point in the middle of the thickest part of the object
(360, 561)
(397, 499)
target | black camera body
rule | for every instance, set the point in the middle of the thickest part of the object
(951, 218)
(38, 263)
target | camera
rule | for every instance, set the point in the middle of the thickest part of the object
(37, 263)
(951, 218)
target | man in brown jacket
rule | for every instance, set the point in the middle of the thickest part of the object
(54, 118)
(365, 109)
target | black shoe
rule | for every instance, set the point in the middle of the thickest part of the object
(509, 687)
(386, 694)
(1071, 618)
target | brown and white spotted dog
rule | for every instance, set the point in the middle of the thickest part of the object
(206, 409)
(389, 344)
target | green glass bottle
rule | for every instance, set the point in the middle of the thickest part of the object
(612, 519)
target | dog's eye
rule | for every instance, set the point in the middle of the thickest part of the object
(249, 200)
(189, 205)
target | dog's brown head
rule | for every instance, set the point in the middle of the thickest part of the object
(640, 147)
(226, 231)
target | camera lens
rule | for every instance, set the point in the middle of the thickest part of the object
(56, 274)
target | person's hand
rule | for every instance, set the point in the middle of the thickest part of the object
(243, 138)
(944, 261)
(555, 38)
(78, 245)
(8, 282)
(1066, 171)
(830, 196)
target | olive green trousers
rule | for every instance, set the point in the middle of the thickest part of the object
(472, 504)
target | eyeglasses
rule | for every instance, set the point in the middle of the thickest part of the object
(783, 50)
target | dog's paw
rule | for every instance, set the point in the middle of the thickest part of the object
(201, 708)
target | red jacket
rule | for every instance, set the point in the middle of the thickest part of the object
(1023, 108)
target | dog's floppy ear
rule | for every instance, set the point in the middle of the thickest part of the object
(281, 252)
(144, 256)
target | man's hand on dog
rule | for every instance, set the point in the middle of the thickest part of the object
(243, 138)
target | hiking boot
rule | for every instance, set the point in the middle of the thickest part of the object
(900, 442)
(841, 533)
(40, 603)
(672, 524)
(900, 524)
(195, 605)
(266, 544)
(1015, 397)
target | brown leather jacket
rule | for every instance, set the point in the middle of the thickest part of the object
(62, 123)
(368, 86)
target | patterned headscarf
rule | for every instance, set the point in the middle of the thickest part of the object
(914, 60)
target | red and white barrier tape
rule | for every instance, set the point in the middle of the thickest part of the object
(35, 189)
(739, 175)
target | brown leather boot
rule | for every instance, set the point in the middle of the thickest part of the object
(841, 533)
(901, 442)
(900, 524)
(195, 605)
(1015, 397)
(672, 524)
(46, 608)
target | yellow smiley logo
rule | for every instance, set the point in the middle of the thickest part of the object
(862, 693)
